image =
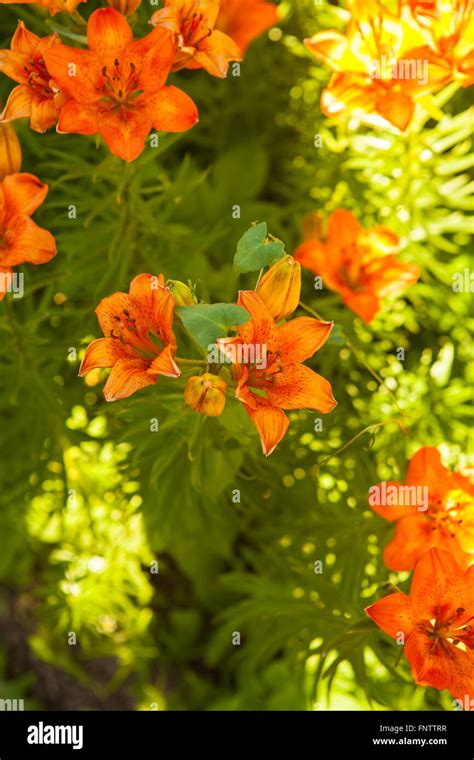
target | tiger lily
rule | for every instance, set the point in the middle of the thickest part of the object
(436, 622)
(358, 263)
(448, 521)
(369, 63)
(284, 383)
(198, 43)
(117, 87)
(21, 240)
(36, 96)
(449, 50)
(139, 342)
(245, 20)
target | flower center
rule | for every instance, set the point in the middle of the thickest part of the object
(120, 88)
(147, 343)
(449, 633)
(37, 76)
(350, 271)
(261, 379)
(193, 31)
(447, 515)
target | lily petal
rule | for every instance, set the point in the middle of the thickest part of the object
(171, 110)
(164, 364)
(24, 193)
(44, 114)
(271, 424)
(157, 60)
(215, 52)
(300, 338)
(127, 377)
(437, 579)
(27, 242)
(76, 72)
(393, 614)
(18, 105)
(261, 327)
(108, 33)
(103, 352)
(298, 387)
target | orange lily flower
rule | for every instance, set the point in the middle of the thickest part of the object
(117, 87)
(449, 31)
(270, 375)
(139, 341)
(436, 620)
(21, 240)
(199, 44)
(245, 20)
(54, 6)
(373, 66)
(446, 520)
(358, 263)
(36, 97)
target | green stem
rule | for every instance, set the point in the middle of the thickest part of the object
(369, 428)
(362, 360)
(191, 362)
(78, 18)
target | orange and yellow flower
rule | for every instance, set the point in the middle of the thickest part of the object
(139, 341)
(116, 88)
(436, 620)
(358, 263)
(54, 6)
(245, 20)
(205, 394)
(446, 523)
(269, 373)
(21, 240)
(36, 96)
(198, 43)
(375, 75)
(449, 29)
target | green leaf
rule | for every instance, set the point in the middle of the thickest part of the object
(255, 252)
(207, 322)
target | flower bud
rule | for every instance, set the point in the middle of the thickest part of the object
(10, 151)
(206, 394)
(280, 287)
(182, 294)
(125, 7)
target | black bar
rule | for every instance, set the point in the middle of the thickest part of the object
(141, 734)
